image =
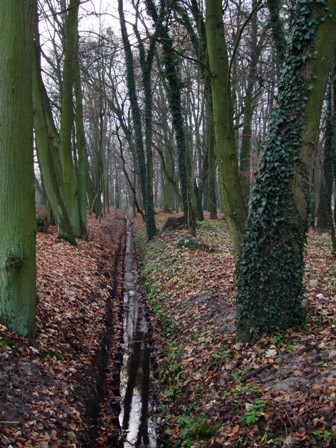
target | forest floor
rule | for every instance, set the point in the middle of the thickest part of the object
(212, 391)
(61, 390)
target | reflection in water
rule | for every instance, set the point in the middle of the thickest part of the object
(137, 431)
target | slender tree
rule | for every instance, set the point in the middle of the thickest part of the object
(245, 152)
(197, 34)
(47, 154)
(233, 204)
(164, 145)
(146, 63)
(82, 169)
(67, 117)
(277, 28)
(144, 173)
(324, 212)
(17, 210)
(174, 89)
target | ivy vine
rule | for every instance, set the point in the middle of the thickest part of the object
(271, 266)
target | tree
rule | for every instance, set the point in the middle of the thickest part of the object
(245, 152)
(229, 183)
(174, 92)
(277, 30)
(67, 118)
(143, 166)
(17, 210)
(82, 171)
(164, 145)
(58, 118)
(207, 171)
(324, 212)
(271, 267)
(46, 153)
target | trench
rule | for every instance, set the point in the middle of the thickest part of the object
(137, 429)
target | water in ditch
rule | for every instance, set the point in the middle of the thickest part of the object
(137, 429)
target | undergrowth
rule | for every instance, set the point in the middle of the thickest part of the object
(211, 388)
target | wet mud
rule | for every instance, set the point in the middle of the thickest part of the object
(137, 430)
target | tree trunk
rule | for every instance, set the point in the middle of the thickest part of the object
(168, 174)
(210, 139)
(198, 41)
(272, 265)
(324, 212)
(235, 211)
(81, 146)
(146, 62)
(67, 118)
(45, 151)
(174, 98)
(140, 151)
(17, 210)
(245, 153)
(277, 31)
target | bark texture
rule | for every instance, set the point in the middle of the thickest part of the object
(234, 208)
(17, 209)
(67, 118)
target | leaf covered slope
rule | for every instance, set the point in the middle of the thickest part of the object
(215, 392)
(50, 386)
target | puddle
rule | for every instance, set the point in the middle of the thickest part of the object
(137, 430)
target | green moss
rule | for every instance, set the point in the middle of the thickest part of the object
(189, 242)
(5, 342)
(194, 428)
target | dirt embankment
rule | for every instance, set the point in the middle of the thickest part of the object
(215, 392)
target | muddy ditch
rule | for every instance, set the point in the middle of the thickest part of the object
(103, 393)
(137, 429)
(118, 407)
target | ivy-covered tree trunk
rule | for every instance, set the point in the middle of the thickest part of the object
(169, 200)
(171, 65)
(197, 37)
(147, 197)
(277, 30)
(17, 206)
(235, 211)
(198, 40)
(146, 62)
(174, 98)
(271, 267)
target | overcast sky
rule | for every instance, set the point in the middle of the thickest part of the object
(95, 13)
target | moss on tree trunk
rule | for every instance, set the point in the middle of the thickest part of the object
(17, 209)
(229, 183)
(44, 147)
(81, 146)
